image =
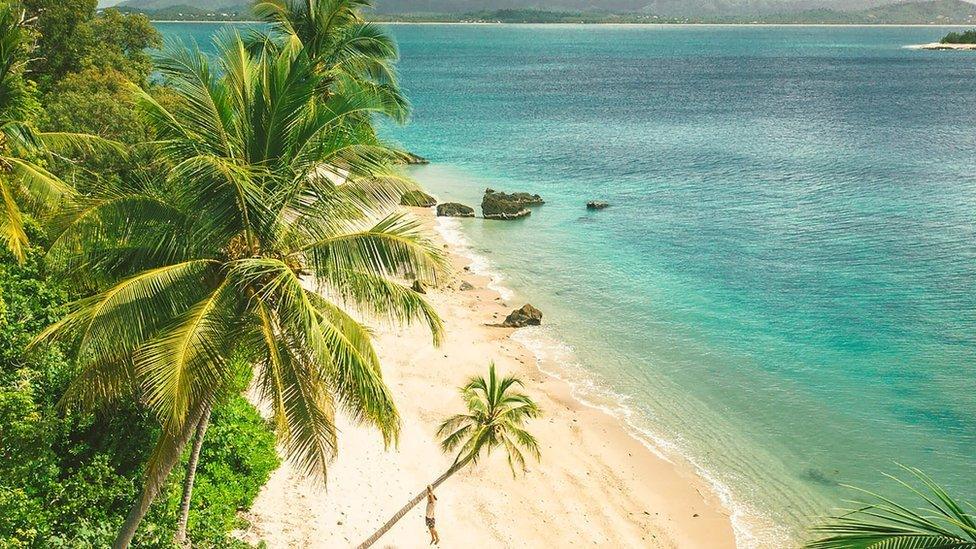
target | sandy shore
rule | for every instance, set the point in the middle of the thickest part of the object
(595, 486)
(941, 46)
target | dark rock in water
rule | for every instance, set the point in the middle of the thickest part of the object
(453, 209)
(524, 199)
(417, 199)
(496, 205)
(526, 316)
(596, 205)
(412, 159)
(418, 287)
(466, 286)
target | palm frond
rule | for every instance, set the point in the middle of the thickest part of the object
(496, 418)
(880, 522)
(184, 364)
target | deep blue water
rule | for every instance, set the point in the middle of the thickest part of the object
(784, 287)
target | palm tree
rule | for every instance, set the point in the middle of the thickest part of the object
(884, 524)
(25, 185)
(343, 45)
(267, 237)
(496, 418)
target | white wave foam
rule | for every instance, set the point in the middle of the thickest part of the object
(450, 230)
(548, 349)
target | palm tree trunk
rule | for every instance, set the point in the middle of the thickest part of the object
(155, 480)
(191, 473)
(411, 504)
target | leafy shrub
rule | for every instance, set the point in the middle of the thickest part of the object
(67, 480)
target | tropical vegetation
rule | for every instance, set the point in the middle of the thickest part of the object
(879, 522)
(965, 37)
(496, 416)
(226, 224)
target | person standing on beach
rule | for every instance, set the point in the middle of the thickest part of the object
(429, 517)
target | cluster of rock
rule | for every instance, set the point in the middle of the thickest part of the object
(596, 205)
(498, 205)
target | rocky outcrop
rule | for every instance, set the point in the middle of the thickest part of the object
(527, 315)
(453, 209)
(417, 199)
(526, 199)
(596, 205)
(497, 205)
(412, 159)
(466, 286)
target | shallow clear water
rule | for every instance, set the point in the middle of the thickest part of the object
(784, 288)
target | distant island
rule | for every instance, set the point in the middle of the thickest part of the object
(953, 41)
(924, 12)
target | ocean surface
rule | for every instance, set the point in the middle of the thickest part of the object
(783, 289)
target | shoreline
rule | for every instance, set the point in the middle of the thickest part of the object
(597, 481)
(939, 46)
(607, 24)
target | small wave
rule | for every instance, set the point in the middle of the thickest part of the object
(548, 350)
(450, 230)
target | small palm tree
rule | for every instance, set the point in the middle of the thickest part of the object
(25, 184)
(884, 524)
(269, 237)
(496, 418)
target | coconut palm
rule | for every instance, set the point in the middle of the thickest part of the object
(495, 419)
(268, 237)
(26, 186)
(343, 45)
(943, 523)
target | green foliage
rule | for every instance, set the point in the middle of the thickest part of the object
(117, 41)
(965, 37)
(72, 37)
(236, 460)
(60, 24)
(67, 480)
(496, 417)
(940, 522)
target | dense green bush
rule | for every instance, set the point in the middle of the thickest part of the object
(966, 37)
(67, 480)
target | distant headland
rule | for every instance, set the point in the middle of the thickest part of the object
(923, 12)
(953, 41)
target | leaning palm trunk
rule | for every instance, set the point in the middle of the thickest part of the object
(191, 473)
(167, 456)
(412, 503)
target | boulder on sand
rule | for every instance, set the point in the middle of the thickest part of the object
(466, 286)
(453, 209)
(527, 315)
(417, 199)
(596, 205)
(418, 287)
(497, 205)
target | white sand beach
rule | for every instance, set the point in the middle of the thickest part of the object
(595, 486)
(941, 46)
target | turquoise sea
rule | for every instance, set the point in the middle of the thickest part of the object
(784, 288)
